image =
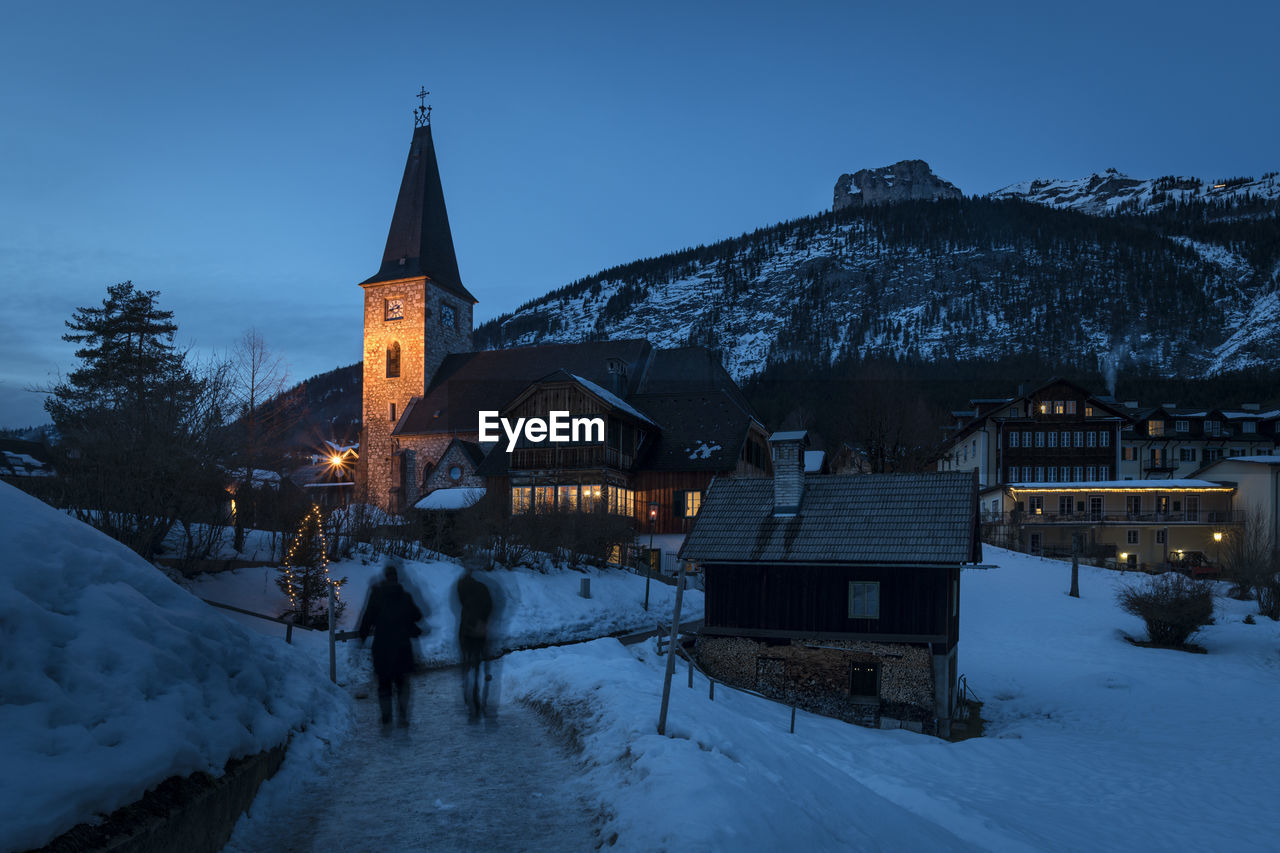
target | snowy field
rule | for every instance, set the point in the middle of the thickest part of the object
(1091, 743)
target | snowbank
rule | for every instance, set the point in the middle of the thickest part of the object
(113, 678)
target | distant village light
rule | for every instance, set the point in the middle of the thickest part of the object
(1217, 536)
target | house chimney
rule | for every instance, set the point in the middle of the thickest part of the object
(788, 471)
(617, 376)
(1131, 404)
(1169, 406)
(1251, 407)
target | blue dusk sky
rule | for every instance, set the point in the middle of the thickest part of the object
(243, 158)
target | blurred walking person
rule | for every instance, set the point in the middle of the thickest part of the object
(473, 638)
(392, 617)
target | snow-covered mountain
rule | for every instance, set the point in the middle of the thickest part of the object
(1186, 290)
(1114, 192)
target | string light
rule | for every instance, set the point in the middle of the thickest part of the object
(292, 584)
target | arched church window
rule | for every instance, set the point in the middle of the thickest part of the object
(393, 360)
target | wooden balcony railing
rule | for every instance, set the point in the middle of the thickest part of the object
(1204, 516)
(560, 457)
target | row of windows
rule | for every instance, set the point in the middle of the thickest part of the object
(1062, 407)
(590, 497)
(1157, 456)
(1058, 474)
(1156, 427)
(1064, 438)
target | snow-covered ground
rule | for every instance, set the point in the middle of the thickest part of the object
(1091, 743)
(113, 678)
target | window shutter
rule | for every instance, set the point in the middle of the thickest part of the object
(677, 503)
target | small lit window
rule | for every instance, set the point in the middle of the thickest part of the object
(1155, 427)
(864, 599)
(1059, 407)
(692, 503)
(1088, 411)
(393, 360)
(520, 497)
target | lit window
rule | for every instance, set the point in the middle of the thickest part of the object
(864, 600)
(1059, 407)
(692, 503)
(393, 360)
(569, 497)
(544, 498)
(1088, 411)
(1155, 427)
(520, 497)
(592, 497)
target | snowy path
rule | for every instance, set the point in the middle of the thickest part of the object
(443, 783)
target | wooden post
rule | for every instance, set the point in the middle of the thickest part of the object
(712, 693)
(288, 628)
(793, 719)
(333, 649)
(690, 673)
(584, 588)
(1075, 565)
(671, 656)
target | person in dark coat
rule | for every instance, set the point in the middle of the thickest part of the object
(391, 616)
(473, 638)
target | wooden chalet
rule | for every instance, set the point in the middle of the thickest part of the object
(838, 592)
(668, 433)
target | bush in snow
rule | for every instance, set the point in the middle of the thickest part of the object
(1173, 607)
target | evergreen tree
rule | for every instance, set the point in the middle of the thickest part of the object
(140, 431)
(304, 577)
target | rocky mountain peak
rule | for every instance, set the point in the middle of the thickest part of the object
(903, 181)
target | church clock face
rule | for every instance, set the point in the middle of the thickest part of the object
(448, 317)
(395, 309)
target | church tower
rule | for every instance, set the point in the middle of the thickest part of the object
(416, 311)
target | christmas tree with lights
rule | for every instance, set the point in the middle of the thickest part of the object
(304, 577)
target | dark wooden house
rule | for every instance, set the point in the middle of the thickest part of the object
(838, 592)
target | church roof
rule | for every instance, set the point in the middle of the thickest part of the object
(419, 242)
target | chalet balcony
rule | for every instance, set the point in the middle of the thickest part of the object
(564, 457)
(1130, 518)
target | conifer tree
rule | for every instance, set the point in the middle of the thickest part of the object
(140, 431)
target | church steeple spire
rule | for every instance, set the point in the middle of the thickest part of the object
(419, 242)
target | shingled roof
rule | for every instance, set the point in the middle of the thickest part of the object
(860, 518)
(700, 431)
(419, 242)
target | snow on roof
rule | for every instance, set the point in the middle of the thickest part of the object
(790, 435)
(1261, 459)
(813, 461)
(702, 450)
(454, 498)
(115, 678)
(1145, 485)
(611, 398)
(342, 448)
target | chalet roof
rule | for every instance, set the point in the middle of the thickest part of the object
(699, 432)
(858, 518)
(419, 242)
(469, 382)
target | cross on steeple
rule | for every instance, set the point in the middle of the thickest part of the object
(422, 115)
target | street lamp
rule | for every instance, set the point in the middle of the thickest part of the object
(1217, 541)
(648, 572)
